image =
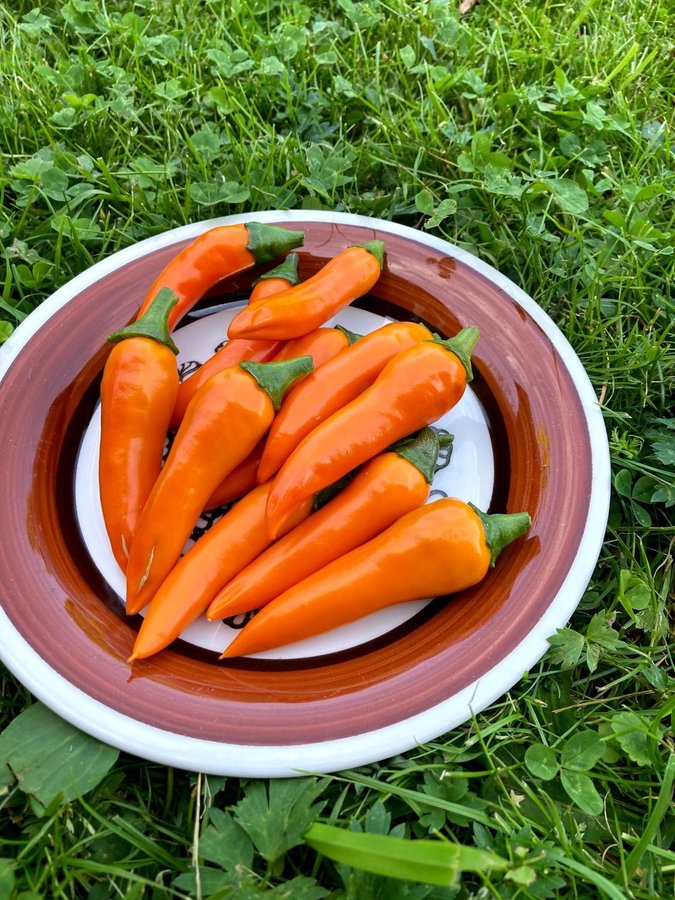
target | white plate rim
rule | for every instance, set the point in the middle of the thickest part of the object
(273, 761)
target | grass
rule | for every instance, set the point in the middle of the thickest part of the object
(538, 135)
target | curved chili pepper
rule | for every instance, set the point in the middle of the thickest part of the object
(217, 254)
(273, 282)
(333, 386)
(138, 390)
(415, 388)
(385, 489)
(305, 307)
(224, 421)
(236, 539)
(438, 549)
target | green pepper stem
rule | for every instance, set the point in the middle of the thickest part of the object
(288, 270)
(376, 248)
(275, 378)
(501, 529)
(422, 450)
(154, 323)
(267, 242)
(461, 345)
(351, 336)
(321, 498)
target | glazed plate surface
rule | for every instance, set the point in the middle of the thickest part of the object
(528, 436)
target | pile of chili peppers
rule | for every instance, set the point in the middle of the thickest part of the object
(321, 437)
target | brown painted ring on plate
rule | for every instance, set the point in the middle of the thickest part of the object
(56, 599)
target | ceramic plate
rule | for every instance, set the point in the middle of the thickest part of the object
(529, 435)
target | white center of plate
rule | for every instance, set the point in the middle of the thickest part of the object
(468, 476)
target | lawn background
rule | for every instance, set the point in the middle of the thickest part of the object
(537, 135)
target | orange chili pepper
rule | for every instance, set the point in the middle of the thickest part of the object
(321, 345)
(224, 421)
(438, 549)
(138, 390)
(273, 282)
(230, 354)
(236, 539)
(240, 481)
(415, 388)
(333, 386)
(216, 254)
(305, 307)
(276, 280)
(385, 489)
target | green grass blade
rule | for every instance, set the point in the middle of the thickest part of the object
(663, 804)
